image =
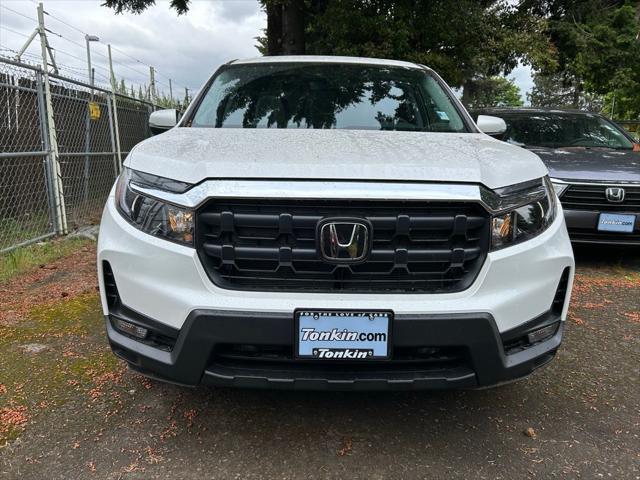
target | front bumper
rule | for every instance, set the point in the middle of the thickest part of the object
(583, 228)
(465, 351)
(164, 286)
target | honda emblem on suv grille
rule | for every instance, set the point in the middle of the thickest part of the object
(615, 194)
(344, 240)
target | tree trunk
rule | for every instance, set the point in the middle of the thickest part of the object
(293, 27)
(274, 28)
(468, 93)
(577, 93)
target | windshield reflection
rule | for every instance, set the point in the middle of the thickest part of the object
(564, 130)
(327, 96)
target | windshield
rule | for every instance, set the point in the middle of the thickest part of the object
(563, 130)
(312, 95)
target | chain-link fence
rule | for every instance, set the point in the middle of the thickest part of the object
(60, 151)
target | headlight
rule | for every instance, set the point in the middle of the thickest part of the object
(151, 215)
(527, 218)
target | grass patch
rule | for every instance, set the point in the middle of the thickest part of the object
(75, 365)
(31, 224)
(27, 258)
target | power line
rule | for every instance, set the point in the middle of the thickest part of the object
(115, 49)
(64, 23)
(141, 63)
(18, 13)
(2, 27)
(25, 54)
(57, 50)
(80, 45)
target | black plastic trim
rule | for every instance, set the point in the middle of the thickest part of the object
(193, 361)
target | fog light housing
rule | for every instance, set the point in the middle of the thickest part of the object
(542, 333)
(131, 329)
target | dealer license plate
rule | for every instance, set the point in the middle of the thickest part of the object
(614, 222)
(343, 335)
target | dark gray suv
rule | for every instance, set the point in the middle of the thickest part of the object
(594, 164)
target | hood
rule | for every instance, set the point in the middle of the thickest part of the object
(591, 164)
(194, 154)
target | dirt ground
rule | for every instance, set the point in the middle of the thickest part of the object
(69, 409)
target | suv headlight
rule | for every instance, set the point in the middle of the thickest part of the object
(151, 215)
(527, 212)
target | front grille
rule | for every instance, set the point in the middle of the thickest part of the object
(593, 197)
(269, 245)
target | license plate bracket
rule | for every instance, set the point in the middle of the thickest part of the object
(342, 335)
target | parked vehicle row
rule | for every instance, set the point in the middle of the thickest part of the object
(594, 166)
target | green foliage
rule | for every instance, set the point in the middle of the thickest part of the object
(560, 91)
(476, 38)
(492, 92)
(622, 104)
(165, 101)
(592, 46)
(597, 44)
(139, 6)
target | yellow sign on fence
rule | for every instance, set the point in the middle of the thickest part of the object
(94, 111)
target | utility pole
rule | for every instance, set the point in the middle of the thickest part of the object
(170, 91)
(186, 96)
(115, 109)
(54, 156)
(41, 31)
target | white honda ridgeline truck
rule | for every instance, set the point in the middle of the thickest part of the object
(332, 223)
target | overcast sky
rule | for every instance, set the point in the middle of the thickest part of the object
(184, 48)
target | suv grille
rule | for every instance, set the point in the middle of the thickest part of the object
(270, 245)
(593, 197)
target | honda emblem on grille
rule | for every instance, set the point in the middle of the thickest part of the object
(615, 194)
(344, 240)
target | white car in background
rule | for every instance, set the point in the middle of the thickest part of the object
(332, 223)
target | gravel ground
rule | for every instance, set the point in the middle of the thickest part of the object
(70, 410)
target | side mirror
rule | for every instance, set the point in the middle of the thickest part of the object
(162, 120)
(493, 126)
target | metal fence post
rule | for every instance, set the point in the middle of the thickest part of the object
(58, 193)
(48, 159)
(115, 110)
(87, 149)
(116, 169)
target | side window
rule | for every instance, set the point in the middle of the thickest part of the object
(612, 136)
